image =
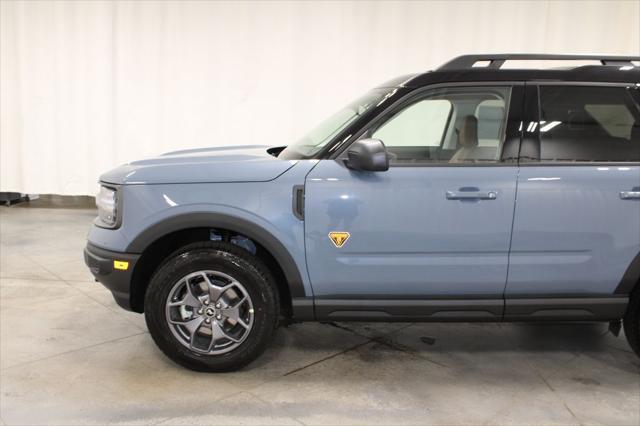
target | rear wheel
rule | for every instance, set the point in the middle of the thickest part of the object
(632, 321)
(212, 307)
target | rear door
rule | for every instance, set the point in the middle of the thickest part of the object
(436, 226)
(576, 228)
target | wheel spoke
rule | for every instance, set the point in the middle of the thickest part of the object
(193, 327)
(191, 324)
(194, 324)
(243, 323)
(189, 298)
(217, 333)
(216, 292)
(233, 312)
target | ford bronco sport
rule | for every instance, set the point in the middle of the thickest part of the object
(475, 192)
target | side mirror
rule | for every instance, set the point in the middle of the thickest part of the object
(368, 155)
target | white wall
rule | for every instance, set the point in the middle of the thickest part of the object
(88, 85)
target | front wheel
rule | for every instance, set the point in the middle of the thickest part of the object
(212, 307)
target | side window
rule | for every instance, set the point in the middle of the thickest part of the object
(457, 125)
(582, 123)
(422, 124)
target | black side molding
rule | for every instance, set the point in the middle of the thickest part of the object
(409, 310)
(465, 310)
(570, 309)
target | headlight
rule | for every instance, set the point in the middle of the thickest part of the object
(107, 203)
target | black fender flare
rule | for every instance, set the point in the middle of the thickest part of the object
(217, 220)
(631, 277)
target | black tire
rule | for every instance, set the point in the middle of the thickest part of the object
(233, 261)
(632, 321)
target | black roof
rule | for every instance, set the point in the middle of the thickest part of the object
(613, 69)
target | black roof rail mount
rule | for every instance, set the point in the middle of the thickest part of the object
(497, 60)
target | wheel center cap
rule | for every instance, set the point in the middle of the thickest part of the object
(210, 312)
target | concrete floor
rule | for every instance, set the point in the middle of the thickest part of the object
(69, 355)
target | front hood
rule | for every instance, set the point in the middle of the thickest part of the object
(250, 163)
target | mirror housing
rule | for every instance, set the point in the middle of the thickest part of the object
(368, 155)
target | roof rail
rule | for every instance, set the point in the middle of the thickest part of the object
(497, 60)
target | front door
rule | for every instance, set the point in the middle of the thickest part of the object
(435, 226)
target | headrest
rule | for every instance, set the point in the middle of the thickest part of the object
(468, 135)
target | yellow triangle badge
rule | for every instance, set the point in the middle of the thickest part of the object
(339, 238)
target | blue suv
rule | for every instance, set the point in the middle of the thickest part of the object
(475, 192)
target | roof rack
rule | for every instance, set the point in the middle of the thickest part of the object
(497, 60)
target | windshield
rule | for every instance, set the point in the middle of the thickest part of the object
(310, 144)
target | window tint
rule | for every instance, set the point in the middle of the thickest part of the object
(588, 124)
(490, 115)
(458, 125)
(423, 124)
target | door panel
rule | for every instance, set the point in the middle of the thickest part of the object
(573, 234)
(407, 237)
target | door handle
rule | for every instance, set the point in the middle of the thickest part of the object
(630, 195)
(471, 195)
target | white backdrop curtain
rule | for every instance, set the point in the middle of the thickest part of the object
(88, 85)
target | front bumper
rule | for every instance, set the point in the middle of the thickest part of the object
(102, 264)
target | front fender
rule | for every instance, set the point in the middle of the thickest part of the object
(260, 210)
(259, 232)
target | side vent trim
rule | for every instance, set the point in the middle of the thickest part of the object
(298, 201)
